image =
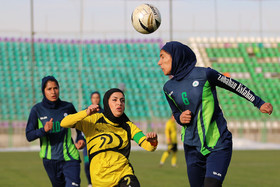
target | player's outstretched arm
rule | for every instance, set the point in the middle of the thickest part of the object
(266, 108)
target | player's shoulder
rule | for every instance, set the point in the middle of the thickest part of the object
(66, 104)
(168, 83)
(199, 70)
(131, 123)
(37, 106)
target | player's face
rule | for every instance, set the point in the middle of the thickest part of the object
(117, 103)
(165, 62)
(95, 99)
(51, 91)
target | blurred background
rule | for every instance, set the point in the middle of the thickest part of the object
(90, 45)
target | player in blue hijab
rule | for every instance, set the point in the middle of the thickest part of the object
(192, 97)
(61, 158)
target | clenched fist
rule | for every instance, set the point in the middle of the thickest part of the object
(92, 109)
(80, 144)
(266, 108)
(152, 138)
(48, 126)
(186, 117)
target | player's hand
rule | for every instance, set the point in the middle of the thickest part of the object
(152, 138)
(186, 117)
(266, 108)
(80, 144)
(92, 109)
(49, 125)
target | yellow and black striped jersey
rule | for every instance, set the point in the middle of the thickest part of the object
(108, 146)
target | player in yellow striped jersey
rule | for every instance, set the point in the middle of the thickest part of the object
(171, 139)
(108, 136)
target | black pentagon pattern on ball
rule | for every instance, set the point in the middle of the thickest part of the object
(144, 27)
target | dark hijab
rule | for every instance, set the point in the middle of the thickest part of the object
(107, 111)
(47, 103)
(94, 92)
(183, 59)
(100, 108)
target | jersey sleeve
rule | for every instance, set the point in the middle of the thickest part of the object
(217, 79)
(139, 137)
(78, 132)
(32, 131)
(78, 120)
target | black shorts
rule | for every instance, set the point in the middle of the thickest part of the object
(172, 147)
(129, 181)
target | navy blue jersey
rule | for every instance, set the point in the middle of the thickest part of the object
(196, 92)
(56, 144)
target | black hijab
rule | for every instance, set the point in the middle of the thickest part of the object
(107, 111)
(183, 59)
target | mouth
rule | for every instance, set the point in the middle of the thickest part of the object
(119, 109)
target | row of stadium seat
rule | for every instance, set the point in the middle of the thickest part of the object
(81, 69)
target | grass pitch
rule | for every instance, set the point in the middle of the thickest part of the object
(247, 168)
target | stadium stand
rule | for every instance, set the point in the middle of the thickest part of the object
(81, 67)
(84, 66)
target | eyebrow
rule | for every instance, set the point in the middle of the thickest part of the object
(117, 97)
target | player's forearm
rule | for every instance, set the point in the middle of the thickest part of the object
(32, 135)
(148, 146)
(70, 120)
(217, 79)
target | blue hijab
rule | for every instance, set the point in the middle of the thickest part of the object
(47, 103)
(183, 59)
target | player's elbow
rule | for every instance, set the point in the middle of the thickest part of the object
(29, 138)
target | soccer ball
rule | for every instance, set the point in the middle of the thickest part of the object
(146, 18)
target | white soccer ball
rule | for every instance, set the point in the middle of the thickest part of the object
(146, 18)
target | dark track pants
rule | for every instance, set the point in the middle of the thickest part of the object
(213, 165)
(63, 173)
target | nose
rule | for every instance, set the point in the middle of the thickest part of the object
(119, 102)
(159, 62)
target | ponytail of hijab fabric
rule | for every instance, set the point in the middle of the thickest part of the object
(107, 111)
(183, 59)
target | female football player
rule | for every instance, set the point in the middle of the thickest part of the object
(191, 94)
(108, 136)
(60, 156)
(171, 140)
(95, 100)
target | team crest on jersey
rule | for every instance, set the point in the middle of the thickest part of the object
(195, 83)
(65, 114)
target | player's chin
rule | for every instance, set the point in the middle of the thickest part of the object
(118, 113)
(166, 72)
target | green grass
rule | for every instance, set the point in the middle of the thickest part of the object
(248, 168)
